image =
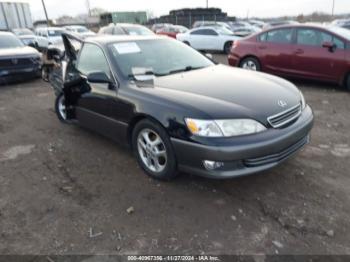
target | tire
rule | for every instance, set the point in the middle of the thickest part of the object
(347, 83)
(60, 108)
(227, 48)
(250, 63)
(156, 159)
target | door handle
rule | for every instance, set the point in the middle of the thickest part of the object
(262, 47)
(299, 52)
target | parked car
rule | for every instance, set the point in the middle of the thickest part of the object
(243, 29)
(305, 51)
(80, 30)
(156, 27)
(209, 38)
(125, 29)
(169, 107)
(49, 36)
(172, 30)
(279, 23)
(257, 23)
(26, 36)
(211, 24)
(17, 61)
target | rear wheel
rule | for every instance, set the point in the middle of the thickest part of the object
(153, 150)
(227, 47)
(250, 63)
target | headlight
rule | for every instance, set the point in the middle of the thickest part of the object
(224, 128)
(303, 102)
(207, 128)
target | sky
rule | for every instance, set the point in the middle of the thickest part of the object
(239, 8)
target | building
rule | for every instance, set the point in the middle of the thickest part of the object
(123, 17)
(188, 16)
(15, 15)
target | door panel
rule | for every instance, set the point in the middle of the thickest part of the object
(314, 61)
(275, 50)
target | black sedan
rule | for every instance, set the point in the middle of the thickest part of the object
(178, 110)
(17, 61)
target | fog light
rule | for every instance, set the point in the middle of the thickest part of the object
(212, 165)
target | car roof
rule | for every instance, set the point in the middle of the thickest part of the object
(108, 39)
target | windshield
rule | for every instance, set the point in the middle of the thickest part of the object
(156, 56)
(55, 32)
(21, 32)
(223, 31)
(341, 32)
(137, 30)
(9, 41)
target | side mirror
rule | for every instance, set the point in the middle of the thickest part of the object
(99, 78)
(329, 45)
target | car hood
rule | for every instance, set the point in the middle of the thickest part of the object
(18, 52)
(222, 92)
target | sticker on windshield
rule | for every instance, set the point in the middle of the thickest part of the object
(127, 48)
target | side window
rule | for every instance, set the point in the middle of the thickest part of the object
(339, 43)
(204, 32)
(283, 36)
(310, 37)
(118, 31)
(262, 37)
(198, 32)
(92, 59)
(211, 32)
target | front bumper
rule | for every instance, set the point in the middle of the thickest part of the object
(245, 155)
(18, 74)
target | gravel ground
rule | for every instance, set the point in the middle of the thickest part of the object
(65, 190)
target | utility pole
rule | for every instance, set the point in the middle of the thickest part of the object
(88, 7)
(207, 4)
(47, 17)
(333, 8)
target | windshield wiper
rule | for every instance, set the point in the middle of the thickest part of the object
(186, 69)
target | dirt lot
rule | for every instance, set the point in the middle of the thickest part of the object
(65, 190)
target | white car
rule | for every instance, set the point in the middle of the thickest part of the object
(80, 30)
(49, 36)
(209, 38)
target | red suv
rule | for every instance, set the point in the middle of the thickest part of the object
(303, 51)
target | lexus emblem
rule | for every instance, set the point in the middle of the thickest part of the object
(282, 103)
(15, 61)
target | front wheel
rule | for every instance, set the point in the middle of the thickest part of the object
(153, 150)
(250, 63)
(60, 108)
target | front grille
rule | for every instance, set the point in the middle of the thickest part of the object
(275, 158)
(285, 117)
(13, 62)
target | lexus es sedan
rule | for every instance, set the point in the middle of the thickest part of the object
(169, 107)
(17, 61)
(302, 51)
(209, 38)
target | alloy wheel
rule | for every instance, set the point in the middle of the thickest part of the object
(250, 65)
(152, 150)
(62, 108)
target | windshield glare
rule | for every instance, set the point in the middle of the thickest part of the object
(158, 57)
(9, 41)
(341, 31)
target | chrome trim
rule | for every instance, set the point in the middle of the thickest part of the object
(269, 119)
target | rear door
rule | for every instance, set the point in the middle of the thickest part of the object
(275, 50)
(312, 60)
(202, 39)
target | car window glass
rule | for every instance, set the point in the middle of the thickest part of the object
(339, 43)
(309, 37)
(330, 38)
(92, 59)
(118, 31)
(279, 36)
(204, 32)
(262, 37)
